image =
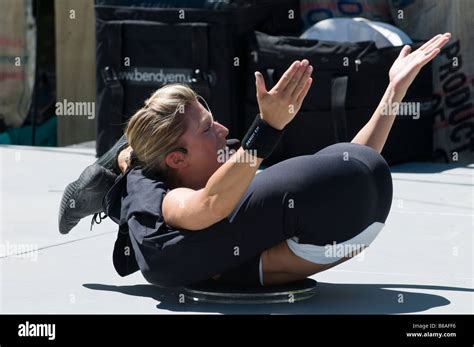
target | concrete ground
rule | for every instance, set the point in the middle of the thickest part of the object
(422, 262)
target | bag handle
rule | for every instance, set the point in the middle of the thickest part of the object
(338, 107)
(109, 73)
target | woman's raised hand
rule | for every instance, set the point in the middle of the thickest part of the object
(406, 67)
(280, 105)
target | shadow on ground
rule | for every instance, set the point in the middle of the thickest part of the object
(330, 298)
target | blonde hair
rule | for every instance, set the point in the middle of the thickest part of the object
(155, 129)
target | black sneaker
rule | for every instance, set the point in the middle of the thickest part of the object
(84, 196)
(109, 159)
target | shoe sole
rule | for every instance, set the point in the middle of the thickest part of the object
(80, 184)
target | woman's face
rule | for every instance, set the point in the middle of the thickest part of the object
(204, 139)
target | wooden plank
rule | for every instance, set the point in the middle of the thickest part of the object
(75, 66)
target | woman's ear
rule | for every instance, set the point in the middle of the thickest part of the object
(176, 160)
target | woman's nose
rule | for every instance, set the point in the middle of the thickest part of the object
(222, 131)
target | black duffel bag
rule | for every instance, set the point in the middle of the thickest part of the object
(141, 49)
(349, 80)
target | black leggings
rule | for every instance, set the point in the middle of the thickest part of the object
(322, 199)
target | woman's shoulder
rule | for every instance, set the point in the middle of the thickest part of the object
(145, 189)
(141, 180)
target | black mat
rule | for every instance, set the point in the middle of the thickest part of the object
(217, 292)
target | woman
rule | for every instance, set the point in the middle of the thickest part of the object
(186, 216)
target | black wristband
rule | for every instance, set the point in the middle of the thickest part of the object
(261, 138)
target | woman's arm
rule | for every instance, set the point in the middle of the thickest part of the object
(402, 73)
(198, 209)
(375, 133)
